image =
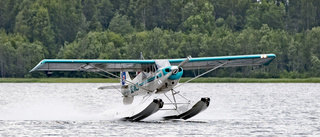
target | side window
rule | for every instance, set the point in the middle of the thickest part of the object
(152, 68)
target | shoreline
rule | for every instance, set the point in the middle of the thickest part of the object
(199, 80)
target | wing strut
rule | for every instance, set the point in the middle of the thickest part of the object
(117, 77)
(221, 65)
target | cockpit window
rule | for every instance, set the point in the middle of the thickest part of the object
(162, 63)
(152, 68)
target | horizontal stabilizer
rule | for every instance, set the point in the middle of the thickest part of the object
(110, 87)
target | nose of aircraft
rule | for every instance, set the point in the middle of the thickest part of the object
(176, 72)
(174, 69)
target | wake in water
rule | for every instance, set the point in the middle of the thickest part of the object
(235, 110)
(50, 110)
(37, 101)
(78, 102)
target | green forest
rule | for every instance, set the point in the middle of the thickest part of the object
(32, 30)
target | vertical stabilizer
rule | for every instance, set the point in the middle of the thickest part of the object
(125, 77)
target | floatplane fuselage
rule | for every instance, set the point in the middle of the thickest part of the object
(149, 81)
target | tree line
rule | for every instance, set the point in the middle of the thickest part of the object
(31, 30)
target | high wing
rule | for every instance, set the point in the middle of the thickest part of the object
(92, 65)
(231, 61)
(139, 65)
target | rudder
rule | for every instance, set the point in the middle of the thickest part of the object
(124, 77)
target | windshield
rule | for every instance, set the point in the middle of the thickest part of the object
(162, 63)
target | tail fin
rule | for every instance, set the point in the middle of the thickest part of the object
(125, 77)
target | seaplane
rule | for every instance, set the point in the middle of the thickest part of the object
(152, 77)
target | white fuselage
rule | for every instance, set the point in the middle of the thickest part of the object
(158, 81)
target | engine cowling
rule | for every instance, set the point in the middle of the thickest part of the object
(177, 72)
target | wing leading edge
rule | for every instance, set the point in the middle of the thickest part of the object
(231, 61)
(138, 65)
(91, 65)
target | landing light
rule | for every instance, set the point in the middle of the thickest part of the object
(264, 56)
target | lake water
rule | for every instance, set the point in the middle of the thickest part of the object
(41, 109)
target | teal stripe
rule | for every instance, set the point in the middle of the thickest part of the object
(91, 61)
(150, 79)
(222, 58)
(97, 61)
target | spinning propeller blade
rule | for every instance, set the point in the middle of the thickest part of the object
(184, 62)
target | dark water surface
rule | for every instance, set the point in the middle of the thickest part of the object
(40, 109)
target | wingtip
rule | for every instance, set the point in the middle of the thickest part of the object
(189, 57)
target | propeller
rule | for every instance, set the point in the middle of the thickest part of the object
(185, 61)
(175, 69)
